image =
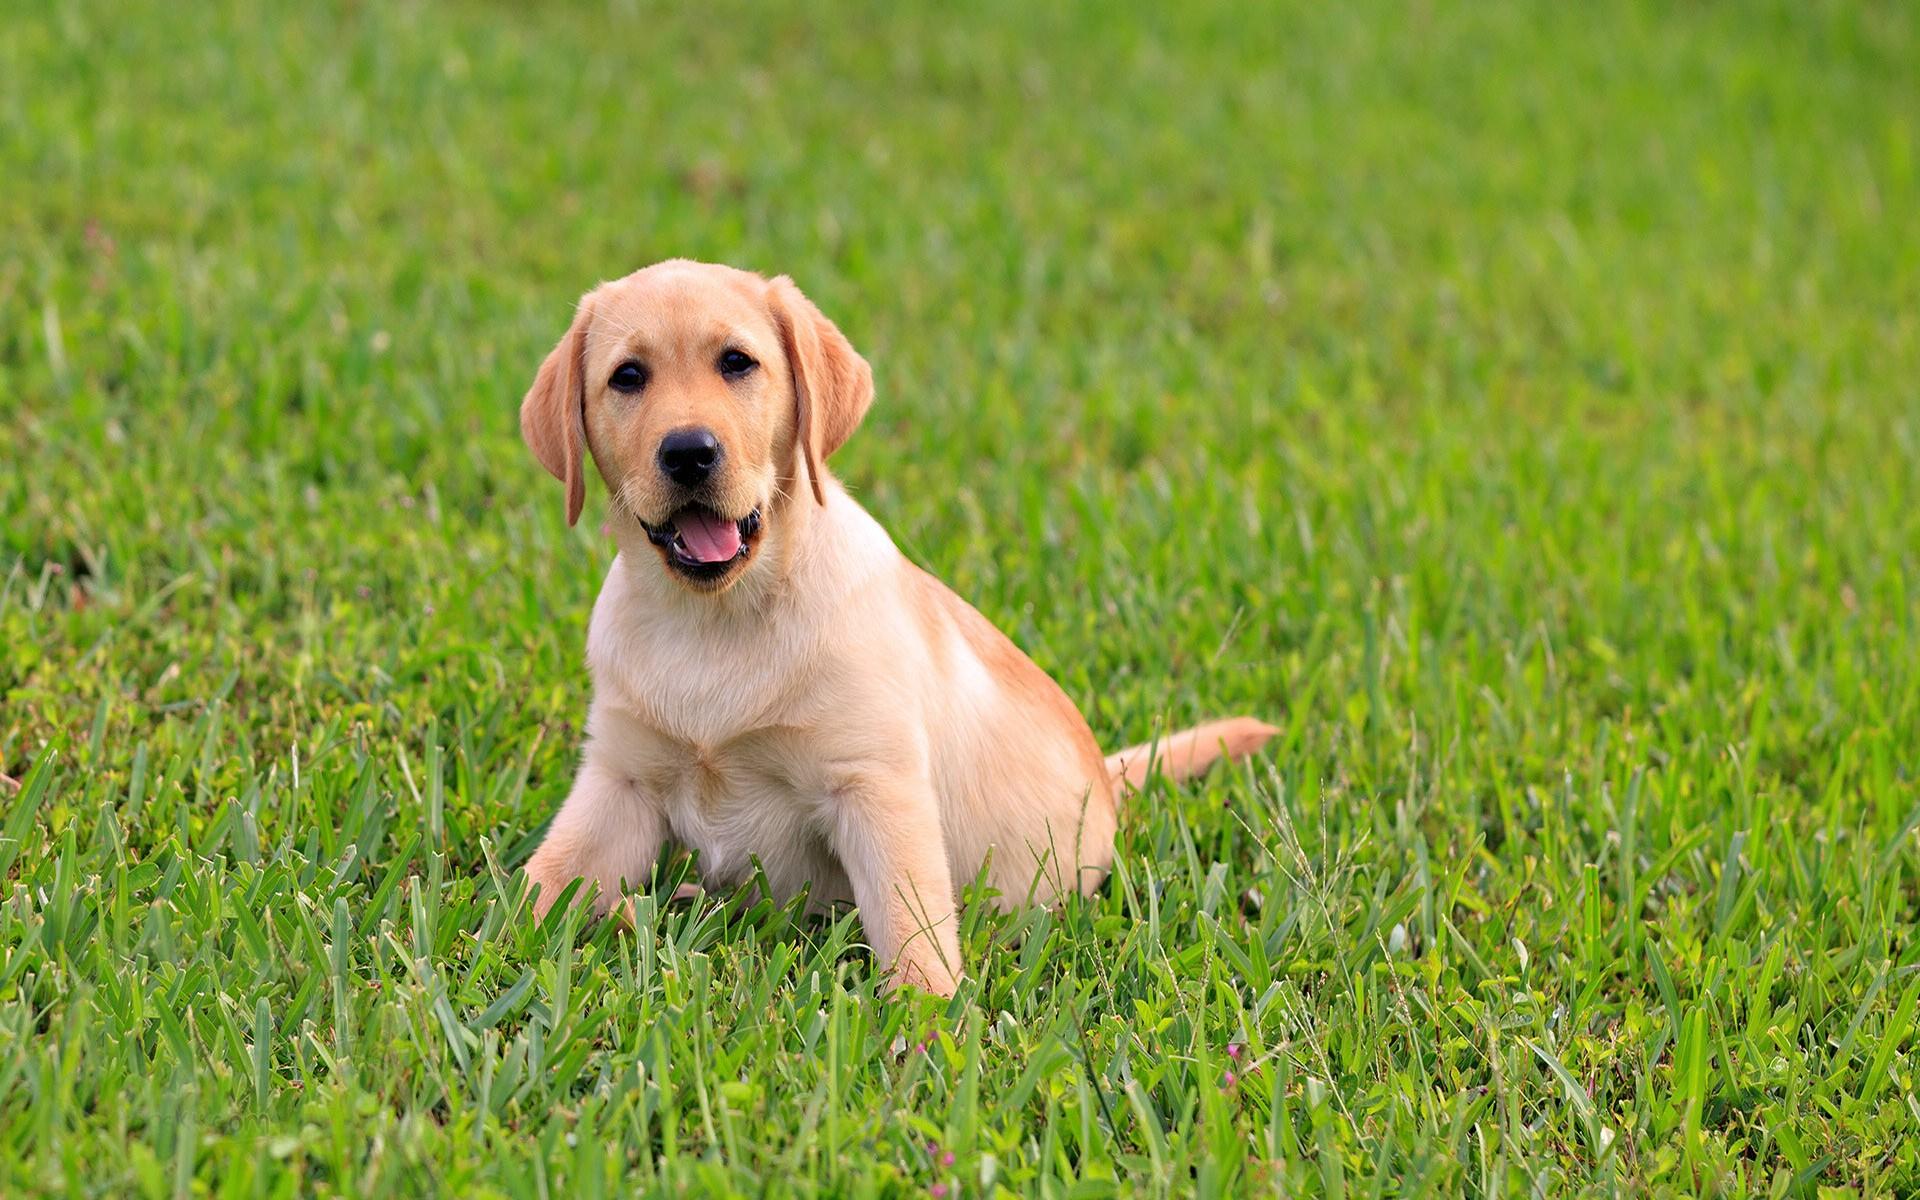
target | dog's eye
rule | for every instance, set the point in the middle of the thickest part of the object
(628, 377)
(734, 363)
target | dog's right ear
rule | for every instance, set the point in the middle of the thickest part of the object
(553, 417)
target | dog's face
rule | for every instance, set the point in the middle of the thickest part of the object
(705, 394)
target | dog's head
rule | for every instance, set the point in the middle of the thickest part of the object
(708, 397)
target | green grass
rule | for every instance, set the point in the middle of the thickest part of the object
(1516, 403)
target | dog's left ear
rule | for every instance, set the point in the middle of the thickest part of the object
(832, 384)
(553, 417)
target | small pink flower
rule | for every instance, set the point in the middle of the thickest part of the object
(1235, 1050)
(938, 1191)
(1229, 1080)
(946, 1160)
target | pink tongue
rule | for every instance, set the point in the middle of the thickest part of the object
(708, 538)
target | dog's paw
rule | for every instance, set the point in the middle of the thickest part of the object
(547, 888)
(926, 974)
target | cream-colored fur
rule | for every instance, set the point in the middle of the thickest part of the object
(826, 707)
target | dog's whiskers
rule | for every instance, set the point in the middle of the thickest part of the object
(623, 329)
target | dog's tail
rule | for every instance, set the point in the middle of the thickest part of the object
(1187, 753)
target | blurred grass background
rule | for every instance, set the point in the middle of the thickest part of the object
(1516, 402)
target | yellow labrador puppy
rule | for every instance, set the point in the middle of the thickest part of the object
(772, 678)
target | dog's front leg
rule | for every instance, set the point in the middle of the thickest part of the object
(888, 838)
(606, 832)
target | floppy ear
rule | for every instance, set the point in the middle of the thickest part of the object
(553, 417)
(832, 384)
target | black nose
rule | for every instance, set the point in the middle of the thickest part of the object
(688, 456)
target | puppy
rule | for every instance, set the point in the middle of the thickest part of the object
(773, 680)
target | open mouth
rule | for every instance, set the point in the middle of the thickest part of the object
(702, 544)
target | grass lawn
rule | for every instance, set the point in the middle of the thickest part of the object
(1517, 403)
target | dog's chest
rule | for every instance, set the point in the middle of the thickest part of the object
(752, 798)
(710, 727)
(731, 779)
(703, 685)
(701, 695)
